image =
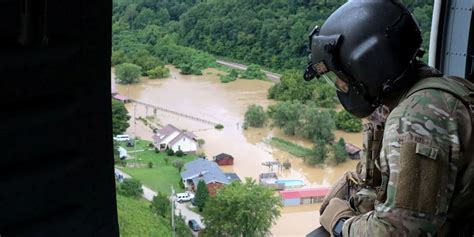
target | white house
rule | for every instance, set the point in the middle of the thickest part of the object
(171, 137)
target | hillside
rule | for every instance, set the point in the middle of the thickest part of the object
(136, 219)
(265, 32)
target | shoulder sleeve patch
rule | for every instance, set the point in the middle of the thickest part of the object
(426, 151)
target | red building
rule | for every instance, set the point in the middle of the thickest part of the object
(303, 196)
(224, 159)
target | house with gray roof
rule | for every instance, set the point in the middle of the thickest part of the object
(171, 137)
(208, 171)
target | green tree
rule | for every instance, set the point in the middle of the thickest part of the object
(287, 115)
(348, 122)
(316, 124)
(160, 204)
(324, 95)
(182, 229)
(292, 87)
(170, 152)
(162, 16)
(178, 164)
(186, 69)
(202, 194)
(179, 153)
(128, 73)
(319, 154)
(253, 72)
(131, 187)
(144, 18)
(232, 76)
(255, 116)
(257, 210)
(120, 118)
(339, 150)
(118, 57)
(159, 72)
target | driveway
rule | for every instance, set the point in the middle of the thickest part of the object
(180, 208)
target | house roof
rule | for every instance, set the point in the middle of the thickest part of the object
(187, 135)
(163, 133)
(222, 156)
(232, 177)
(352, 149)
(207, 170)
(211, 178)
(302, 193)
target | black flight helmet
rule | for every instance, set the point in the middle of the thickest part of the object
(368, 45)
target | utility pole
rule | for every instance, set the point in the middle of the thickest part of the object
(172, 211)
(134, 120)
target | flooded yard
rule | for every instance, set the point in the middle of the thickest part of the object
(207, 98)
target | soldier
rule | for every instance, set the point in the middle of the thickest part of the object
(416, 177)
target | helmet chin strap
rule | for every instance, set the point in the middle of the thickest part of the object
(389, 85)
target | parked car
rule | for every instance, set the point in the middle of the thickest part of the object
(194, 225)
(184, 197)
(122, 138)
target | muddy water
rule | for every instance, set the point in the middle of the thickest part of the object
(207, 98)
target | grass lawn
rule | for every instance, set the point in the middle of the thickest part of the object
(136, 219)
(290, 147)
(162, 175)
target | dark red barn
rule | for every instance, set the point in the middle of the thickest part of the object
(224, 159)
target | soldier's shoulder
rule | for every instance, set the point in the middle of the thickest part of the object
(428, 114)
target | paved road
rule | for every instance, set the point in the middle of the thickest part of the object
(182, 208)
(272, 76)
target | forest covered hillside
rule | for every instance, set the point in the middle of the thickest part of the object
(271, 33)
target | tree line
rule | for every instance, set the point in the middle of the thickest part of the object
(266, 32)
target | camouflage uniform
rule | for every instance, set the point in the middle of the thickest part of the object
(426, 170)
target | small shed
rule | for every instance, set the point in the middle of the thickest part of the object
(353, 151)
(224, 159)
(303, 196)
(122, 153)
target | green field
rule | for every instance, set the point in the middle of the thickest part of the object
(290, 147)
(136, 219)
(162, 175)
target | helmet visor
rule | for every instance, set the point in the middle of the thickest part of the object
(335, 81)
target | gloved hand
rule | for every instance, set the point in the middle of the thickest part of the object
(335, 210)
(364, 200)
(340, 189)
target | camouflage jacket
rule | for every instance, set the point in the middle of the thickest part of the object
(426, 159)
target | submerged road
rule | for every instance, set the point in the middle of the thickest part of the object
(272, 76)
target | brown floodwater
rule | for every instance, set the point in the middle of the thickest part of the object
(207, 98)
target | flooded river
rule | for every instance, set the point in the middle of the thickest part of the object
(207, 98)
